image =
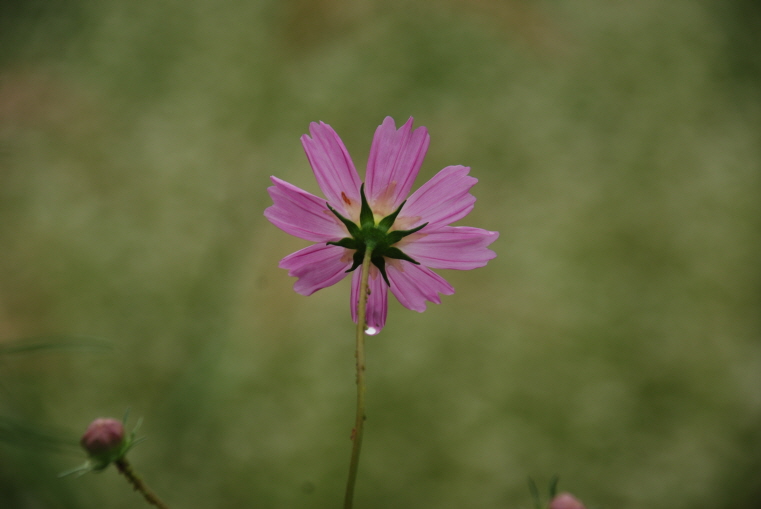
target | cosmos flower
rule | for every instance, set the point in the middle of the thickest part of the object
(408, 236)
(566, 501)
(104, 439)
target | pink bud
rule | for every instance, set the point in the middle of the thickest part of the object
(566, 501)
(103, 437)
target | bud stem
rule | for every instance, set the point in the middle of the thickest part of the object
(356, 435)
(137, 483)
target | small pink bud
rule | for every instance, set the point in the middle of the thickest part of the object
(566, 501)
(103, 439)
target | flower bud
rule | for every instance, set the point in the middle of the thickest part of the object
(566, 501)
(104, 440)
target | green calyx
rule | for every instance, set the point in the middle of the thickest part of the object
(374, 236)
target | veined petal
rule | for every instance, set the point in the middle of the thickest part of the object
(451, 247)
(377, 300)
(442, 200)
(317, 267)
(333, 168)
(415, 284)
(419, 229)
(395, 159)
(302, 214)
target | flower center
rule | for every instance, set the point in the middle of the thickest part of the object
(373, 233)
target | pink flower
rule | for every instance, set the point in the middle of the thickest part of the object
(566, 501)
(105, 442)
(409, 237)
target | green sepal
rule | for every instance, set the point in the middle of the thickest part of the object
(359, 255)
(354, 230)
(366, 217)
(380, 262)
(397, 235)
(347, 242)
(388, 221)
(396, 253)
(369, 235)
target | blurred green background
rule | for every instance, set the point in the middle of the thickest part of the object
(615, 341)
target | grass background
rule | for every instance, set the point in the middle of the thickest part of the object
(614, 341)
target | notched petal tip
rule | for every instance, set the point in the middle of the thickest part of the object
(394, 162)
(332, 166)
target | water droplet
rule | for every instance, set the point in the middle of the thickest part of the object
(371, 331)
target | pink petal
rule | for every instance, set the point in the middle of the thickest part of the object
(395, 159)
(442, 200)
(415, 284)
(451, 247)
(377, 300)
(317, 267)
(302, 214)
(333, 167)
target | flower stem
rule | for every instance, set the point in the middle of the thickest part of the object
(356, 435)
(126, 469)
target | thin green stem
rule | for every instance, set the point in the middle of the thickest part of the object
(356, 435)
(126, 469)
